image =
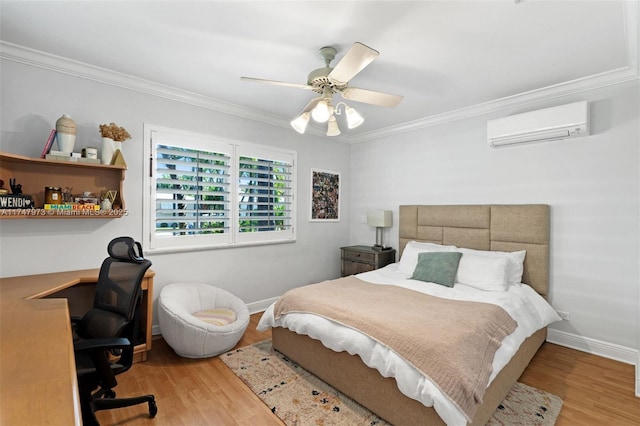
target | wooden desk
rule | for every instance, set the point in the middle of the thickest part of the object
(38, 383)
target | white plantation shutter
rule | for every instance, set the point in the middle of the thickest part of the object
(265, 194)
(206, 193)
(192, 192)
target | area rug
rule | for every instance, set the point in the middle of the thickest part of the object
(299, 398)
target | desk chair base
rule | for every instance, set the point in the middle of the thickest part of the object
(91, 405)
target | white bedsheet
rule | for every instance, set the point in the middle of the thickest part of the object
(524, 305)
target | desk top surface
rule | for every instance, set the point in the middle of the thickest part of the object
(38, 383)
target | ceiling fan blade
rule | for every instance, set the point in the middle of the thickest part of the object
(371, 97)
(279, 83)
(311, 105)
(354, 61)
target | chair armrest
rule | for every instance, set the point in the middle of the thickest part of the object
(75, 319)
(101, 344)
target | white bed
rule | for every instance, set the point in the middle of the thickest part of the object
(523, 303)
(527, 307)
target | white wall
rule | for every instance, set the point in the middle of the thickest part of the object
(34, 98)
(592, 185)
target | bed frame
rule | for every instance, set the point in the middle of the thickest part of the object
(481, 227)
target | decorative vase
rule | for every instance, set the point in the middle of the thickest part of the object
(108, 149)
(105, 204)
(66, 133)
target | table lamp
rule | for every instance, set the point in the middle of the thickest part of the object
(380, 219)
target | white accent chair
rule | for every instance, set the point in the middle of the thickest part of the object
(190, 336)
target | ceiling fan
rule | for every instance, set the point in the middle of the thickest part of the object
(328, 81)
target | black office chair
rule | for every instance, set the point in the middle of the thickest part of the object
(105, 336)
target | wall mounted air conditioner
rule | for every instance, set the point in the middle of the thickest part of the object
(561, 122)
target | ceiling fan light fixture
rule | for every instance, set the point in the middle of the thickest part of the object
(300, 123)
(332, 127)
(354, 119)
(329, 81)
(321, 112)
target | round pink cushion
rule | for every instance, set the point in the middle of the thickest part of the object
(220, 316)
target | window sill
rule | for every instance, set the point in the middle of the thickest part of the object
(217, 247)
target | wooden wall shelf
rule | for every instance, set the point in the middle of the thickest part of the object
(34, 174)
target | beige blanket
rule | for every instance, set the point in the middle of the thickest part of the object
(452, 342)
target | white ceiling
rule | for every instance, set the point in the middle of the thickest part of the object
(444, 57)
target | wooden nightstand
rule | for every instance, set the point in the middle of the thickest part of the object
(356, 259)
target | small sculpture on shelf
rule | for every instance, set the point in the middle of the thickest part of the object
(15, 200)
(16, 188)
(105, 204)
(108, 199)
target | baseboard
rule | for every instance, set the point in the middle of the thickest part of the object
(254, 307)
(638, 376)
(595, 347)
(598, 347)
(261, 305)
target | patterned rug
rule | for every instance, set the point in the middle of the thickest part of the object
(299, 398)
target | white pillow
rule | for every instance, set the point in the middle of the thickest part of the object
(483, 272)
(409, 258)
(515, 261)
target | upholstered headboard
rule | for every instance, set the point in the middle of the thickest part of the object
(485, 227)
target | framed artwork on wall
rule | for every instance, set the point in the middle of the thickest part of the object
(325, 196)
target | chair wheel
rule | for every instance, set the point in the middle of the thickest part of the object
(110, 394)
(153, 409)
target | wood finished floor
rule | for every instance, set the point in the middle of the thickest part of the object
(595, 390)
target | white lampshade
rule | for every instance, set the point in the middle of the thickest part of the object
(321, 112)
(300, 123)
(332, 127)
(354, 119)
(380, 218)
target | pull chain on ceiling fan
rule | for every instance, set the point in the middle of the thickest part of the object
(328, 81)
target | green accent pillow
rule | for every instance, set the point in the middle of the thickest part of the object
(437, 267)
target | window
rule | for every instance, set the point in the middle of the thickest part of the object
(265, 197)
(206, 192)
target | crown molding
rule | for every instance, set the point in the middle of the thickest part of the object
(78, 69)
(547, 93)
(36, 58)
(40, 59)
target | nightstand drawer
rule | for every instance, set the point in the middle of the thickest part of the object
(359, 256)
(358, 259)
